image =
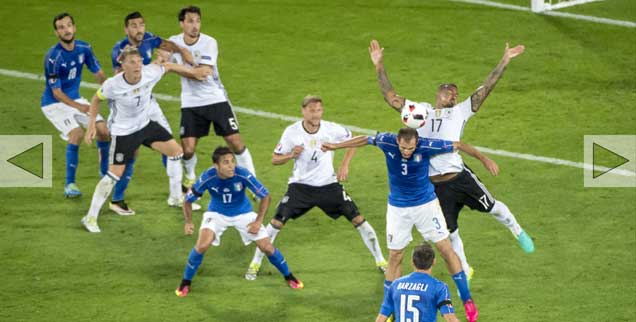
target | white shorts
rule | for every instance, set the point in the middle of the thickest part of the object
(218, 223)
(156, 114)
(427, 218)
(66, 118)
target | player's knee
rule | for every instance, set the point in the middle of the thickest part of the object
(277, 224)
(234, 143)
(75, 135)
(357, 220)
(266, 247)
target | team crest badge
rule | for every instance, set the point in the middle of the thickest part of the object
(417, 157)
(136, 91)
(238, 186)
(438, 112)
(312, 143)
(81, 58)
(119, 157)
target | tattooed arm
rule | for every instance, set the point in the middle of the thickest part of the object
(390, 96)
(479, 96)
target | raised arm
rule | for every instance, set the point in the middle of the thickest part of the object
(199, 73)
(479, 96)
(174, 48)
(489, 164)
(355, 142)
(390, 96)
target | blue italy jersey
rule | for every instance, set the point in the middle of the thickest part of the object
(228, 195)
(63, 69)
(147, 45)
(409, 185)
(417, 297)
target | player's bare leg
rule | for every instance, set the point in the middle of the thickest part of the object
(272, 229)
(276, 258)
(206, 236)
(189, 145)
(370, 240)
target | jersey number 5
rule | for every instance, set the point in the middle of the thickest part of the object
(406, 305)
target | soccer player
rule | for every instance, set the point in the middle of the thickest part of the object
(412, 201)
(455, 184)
(229, 207)
(203, 97)
(418, 296)
(314, 182)
(129, 95)
(61, 101)
(136, 35)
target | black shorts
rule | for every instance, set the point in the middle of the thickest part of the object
(463, 189)
(195, 121)
(122, 148)
(300, 198)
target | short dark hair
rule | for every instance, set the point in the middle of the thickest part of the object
(60, 17)
(423, 256)
(131, 16)
(446, 86)
(186, 10)
(407, 133)
(311, 99)
(219, 152)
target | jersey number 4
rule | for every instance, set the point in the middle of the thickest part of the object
(406, 305)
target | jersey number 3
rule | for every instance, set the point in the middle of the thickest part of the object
(406, 305)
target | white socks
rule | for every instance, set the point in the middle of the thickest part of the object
(175, 174)
(458, 247)
(501, 212)
(245, 160)
(370, 239)
(258, 255)
(190, 166)
(102, 191)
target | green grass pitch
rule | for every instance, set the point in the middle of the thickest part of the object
(575, 78)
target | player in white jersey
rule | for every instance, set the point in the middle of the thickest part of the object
(455, 184)
(129, 96)
(314, 182)
(203, 97)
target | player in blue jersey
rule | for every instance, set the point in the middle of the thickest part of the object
(412, 201)
(418, 296)
(61, 101)
(229, 207)
(146, 43)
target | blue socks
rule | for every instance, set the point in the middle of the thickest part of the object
(164, 160)
(279, 261)
(194, 260)
(122, 184)
(103, 147)
(72, 159)
(462, 285)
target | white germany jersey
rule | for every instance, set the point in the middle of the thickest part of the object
(312, 167)
(445, 124)
(130, 104)
(196, 93)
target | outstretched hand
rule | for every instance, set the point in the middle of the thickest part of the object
(491, 166)
(375, 51)
(513, 52)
